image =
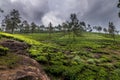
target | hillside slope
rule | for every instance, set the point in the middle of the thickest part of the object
(92, 56)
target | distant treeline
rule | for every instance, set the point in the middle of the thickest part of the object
(12, 23)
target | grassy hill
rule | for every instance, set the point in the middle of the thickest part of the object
(92, 56)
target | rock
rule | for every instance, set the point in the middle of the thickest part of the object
(16, 47)
(28, 69)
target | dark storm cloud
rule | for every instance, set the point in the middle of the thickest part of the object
(101, 12)
(94, 12)
(28, 10)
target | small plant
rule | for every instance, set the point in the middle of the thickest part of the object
(3, 51)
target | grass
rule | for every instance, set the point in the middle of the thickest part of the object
(92, 56)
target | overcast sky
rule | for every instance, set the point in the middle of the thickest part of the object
(94, 12)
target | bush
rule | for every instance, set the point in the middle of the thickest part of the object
(91, 61)
(56, 70)
(71, 72)
(86, 74)
(102, 74)
(42, 59)
(115, 75)
(3, 51)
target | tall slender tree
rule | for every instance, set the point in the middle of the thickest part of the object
(1, 10)
(41, 28)
(15, 19)
(6, 23)
(26, 27)
(83, 24)
(74, 25)
(12, 20)
(118, 5)
(99, 28)
(50, 29)
(89, 28)
(33, 27)
(105, 30)
(112, 30)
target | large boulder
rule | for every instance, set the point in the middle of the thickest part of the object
(28, 69)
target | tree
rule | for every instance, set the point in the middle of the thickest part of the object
(12, 20)
(6, 23)
(118, 7)
(50, 29)
(105, 30)
(26, 27)
(89, 28)
(65, 28)
(75, 26)
(1, 10)
(15, 19)
(112, 30)
(59, 27)
(99, 28)
(41, 28)
(33, 27)
(83, 24)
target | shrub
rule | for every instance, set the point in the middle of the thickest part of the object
(102, 74)
(71, 72)
(3, 51)
(86, 74)
(115, 75)
(91, 61)
(56, 70)
(41, 59)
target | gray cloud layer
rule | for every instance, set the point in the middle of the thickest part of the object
(94, 12)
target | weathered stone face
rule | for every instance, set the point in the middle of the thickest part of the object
(27, 78)
(16, 47)
(28, 69)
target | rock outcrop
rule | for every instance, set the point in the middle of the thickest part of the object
(16, 47)
(28, 69)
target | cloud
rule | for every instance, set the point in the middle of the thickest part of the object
(94, 12)
(101, 12)
(30, 10)
(61, 9)
(51, 17)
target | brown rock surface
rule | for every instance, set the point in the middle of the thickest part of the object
(28, 69)
(16, 46)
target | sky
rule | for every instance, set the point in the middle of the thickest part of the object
(93, 12)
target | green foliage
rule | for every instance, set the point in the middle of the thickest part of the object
(115, 74)
(3, 51)
(42, 59)
(11, 21)
(89, 57)
(102, 74)
(91, 61)
(105, 59)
